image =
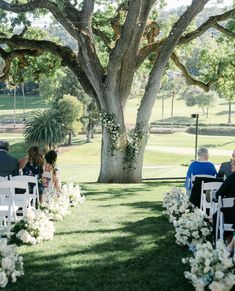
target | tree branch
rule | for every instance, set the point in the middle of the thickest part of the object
(224, 30)
(67, 22)
(9, 56)
(86, 14)
(103, 36)
(211, 22)
(123, 43)
(65, 53)
(165, 52)
(189, 79)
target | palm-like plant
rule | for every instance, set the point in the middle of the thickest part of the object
(45, 128)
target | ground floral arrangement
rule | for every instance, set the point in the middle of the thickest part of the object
(11, 263)
(211, 268)
(35, 227)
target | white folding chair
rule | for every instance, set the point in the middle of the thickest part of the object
(34, 196)
(20, 200)
(48, 176)
(3, 178)
(7, 209)
(209, 206)
(221, 227)
(21, 172)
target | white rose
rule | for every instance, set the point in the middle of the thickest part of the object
(8, 264)
(3, 279)
(219, 275)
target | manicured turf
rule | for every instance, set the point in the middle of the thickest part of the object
(166, 155)
(117, 240)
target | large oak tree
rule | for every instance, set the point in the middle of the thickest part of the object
(134, 37)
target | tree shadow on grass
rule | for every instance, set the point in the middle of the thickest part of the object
(141, 255)
(225, 112)
(217, 145)
(118, 192)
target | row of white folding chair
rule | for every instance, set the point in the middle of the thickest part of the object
(209, 188)
(20, 200)
(221, 227)
(7, 210)
(34, 196)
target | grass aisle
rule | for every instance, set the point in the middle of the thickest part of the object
(117, 240)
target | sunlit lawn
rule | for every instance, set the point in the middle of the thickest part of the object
(182, 113)
(165, 155)
(117, 240)
(7, 107)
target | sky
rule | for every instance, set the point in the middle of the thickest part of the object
(176, 3)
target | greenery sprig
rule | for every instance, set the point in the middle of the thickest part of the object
(113, 129)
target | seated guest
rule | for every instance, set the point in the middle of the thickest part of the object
(200, 167)
(33, 165)
(225, 168)
(8, 164)
(195, 195)
(227, 190)
(50, 166)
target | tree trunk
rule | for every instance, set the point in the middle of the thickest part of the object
(14, 105)
(23, 93)
(92, 131)
(229, 111)
(172, 107)
(70, 137)
(88, 133)
(162, 108)
(113, 167)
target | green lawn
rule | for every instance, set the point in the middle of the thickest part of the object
(182, 113)
(117, 240)
(166, 155)
(7, 105)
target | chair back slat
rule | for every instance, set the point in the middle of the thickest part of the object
(29, 179)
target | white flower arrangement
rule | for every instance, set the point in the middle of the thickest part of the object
(34, 228)
(192, 227)
(112, 127)
(11, 263)
(55, 204)
(175, 202)
(74, 194)
(211, 267)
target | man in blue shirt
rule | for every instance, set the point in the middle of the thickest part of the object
(200, 167)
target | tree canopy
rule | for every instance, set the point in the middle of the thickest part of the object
(114, 39)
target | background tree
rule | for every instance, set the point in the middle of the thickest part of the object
(131, 36)
(45, 129)
(70, 111)
(50, 127)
